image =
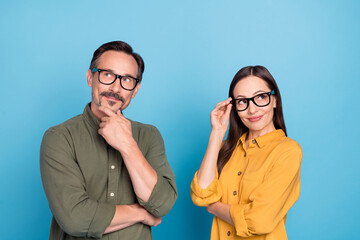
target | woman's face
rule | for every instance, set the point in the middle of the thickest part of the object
(259, 120)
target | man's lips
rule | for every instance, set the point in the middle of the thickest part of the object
(255, 119)
(112, 98)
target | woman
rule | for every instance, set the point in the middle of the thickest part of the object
(252, 182)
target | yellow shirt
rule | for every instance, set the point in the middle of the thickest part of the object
(260, 184)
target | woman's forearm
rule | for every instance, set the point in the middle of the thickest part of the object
(207, 170)
(221, 210)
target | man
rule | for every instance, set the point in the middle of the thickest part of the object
(107, 177)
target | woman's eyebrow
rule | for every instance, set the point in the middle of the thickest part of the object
(259, 91)
(255, 93)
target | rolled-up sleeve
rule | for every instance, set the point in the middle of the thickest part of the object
(270, 201)
(164, 194)
(204, 197)
(75, 212)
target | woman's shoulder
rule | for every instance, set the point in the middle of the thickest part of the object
(287, 144)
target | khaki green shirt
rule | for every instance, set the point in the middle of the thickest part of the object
(84, 178)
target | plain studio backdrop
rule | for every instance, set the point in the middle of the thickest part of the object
(192, 50)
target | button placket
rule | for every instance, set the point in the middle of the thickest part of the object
(113, 175)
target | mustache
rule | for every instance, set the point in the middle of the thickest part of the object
(112, 94)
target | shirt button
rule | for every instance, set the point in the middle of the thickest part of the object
(112, 194)
(239, 173)
(234, 193)
(112, 166)
(254, 141)
(228, 233)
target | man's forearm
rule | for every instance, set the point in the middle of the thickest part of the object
(127, 215)
(143, 176)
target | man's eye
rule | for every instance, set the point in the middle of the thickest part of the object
(107, 74)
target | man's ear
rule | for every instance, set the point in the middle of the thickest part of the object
(136, 90)
(89, 76)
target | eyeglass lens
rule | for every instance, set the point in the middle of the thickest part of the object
(260, 100)
(107, 77)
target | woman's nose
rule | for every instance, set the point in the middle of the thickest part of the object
(252, 107)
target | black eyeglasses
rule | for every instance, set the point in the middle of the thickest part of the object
(260, 100)
(107, 77)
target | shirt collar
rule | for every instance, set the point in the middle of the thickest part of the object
(90, 117)
(263, 140)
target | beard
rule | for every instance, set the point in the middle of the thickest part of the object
(110, 103)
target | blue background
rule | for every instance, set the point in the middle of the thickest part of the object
(192, 49)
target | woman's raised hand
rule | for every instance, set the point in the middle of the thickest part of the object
(220, 116)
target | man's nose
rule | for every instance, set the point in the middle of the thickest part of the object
(116, 86)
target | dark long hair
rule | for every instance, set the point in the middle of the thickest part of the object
(237, 128)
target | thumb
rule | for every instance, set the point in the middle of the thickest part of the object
(119, 113)
(228, 109)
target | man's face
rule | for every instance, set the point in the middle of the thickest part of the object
(112, 96)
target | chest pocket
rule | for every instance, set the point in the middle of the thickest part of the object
(248, 186)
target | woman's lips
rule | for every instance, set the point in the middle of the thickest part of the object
(255, 119)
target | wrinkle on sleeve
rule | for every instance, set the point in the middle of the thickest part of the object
(204, 197)
(164, 194)
(271, 200)
(75, 212)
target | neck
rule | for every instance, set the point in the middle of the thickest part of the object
(94, 109)
(258, 133)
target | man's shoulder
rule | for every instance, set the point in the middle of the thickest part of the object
(141, 126)
(67, 126)
(144, 131)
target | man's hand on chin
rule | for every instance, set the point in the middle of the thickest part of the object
(116, 129)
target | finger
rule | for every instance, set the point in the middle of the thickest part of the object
(223, 103)
(100, 131)
(220, 104)
(102, 124)
(104, 119)
(107, 111)
(228, 109)
(228, 101)
(119, 113)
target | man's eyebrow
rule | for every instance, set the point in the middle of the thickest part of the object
(125, 75)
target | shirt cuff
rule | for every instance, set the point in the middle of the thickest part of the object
(237, 213)
(204, 197)
(103, 216)
(162, 197)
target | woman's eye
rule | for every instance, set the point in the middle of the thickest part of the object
(241, 101)
(261, 97)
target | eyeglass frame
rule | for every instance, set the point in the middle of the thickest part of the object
(272, 92)
(117, 76)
